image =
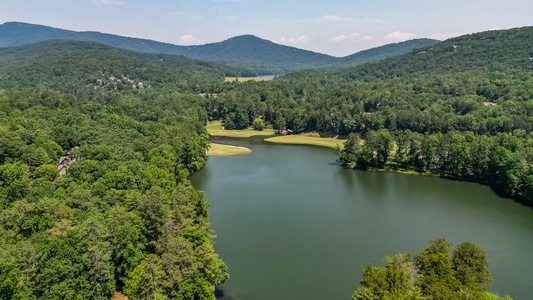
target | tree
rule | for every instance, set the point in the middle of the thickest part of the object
(432, 274)
(145, 281)
(392, 282)
(12, 283)
(47, 172)
(259, 124)
(128, 247)
(471, 266)
(351, 149)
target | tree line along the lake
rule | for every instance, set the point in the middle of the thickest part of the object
(450, 109)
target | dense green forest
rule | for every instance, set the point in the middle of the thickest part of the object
(436, 272)
(71, 66)
(247, 54)
(122, 215)
(119, 213)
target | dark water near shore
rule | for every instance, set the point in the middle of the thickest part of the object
(290, 224)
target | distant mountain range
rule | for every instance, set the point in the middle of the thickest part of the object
(252, 55)
(85, 69)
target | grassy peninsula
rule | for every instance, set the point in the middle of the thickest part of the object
(226, 150)
(307, 139)
(215, 128)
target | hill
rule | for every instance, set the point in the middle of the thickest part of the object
(386, 51)
(87, 68)
(484, 52)
(255, 56)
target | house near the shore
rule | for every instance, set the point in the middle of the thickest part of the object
(66, 161)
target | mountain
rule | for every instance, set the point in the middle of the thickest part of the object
(386, 51)
(88, 68)
(489, 52)
(252, 54)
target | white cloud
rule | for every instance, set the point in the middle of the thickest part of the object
(109, 2)
(303, 39)
(350, 37)
(445, 36)
(189, 39)
(397, 35)
(343, 37)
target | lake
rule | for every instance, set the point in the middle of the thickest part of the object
(291, 224)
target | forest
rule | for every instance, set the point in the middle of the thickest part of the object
(123, 216)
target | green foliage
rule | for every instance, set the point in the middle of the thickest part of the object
(46, 172)
(123, 212)
(434, 273)
(471, 266)
(258, 124)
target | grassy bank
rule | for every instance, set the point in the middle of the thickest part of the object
(215, 129)
(306, 139)
(226, 150)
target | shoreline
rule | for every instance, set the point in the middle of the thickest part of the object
(216, 129)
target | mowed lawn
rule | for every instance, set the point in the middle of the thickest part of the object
(215, 128)
(226, 150)
(306, 139)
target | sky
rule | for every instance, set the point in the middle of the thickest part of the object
(337, 28)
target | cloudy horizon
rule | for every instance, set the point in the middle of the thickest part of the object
(337, 28)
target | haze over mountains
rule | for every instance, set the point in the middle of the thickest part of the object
(255, 56)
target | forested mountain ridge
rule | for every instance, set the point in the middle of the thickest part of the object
(489, 51)
(87, 68)
(386, 51)
(252, 54)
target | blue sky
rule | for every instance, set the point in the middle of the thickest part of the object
(333, 27)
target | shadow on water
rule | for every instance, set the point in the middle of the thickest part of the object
(506, 196)
(499, 192)
(219, 294)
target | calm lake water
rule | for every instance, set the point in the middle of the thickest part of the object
(291, 224)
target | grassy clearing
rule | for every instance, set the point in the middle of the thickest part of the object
(242, 79)
(226, 150)
(215, 129)
(307, 139)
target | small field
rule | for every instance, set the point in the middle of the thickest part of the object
(242, 79)
(226, 150)
(306, 139)
(215, 129)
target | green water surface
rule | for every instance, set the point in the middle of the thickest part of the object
(291, 224)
